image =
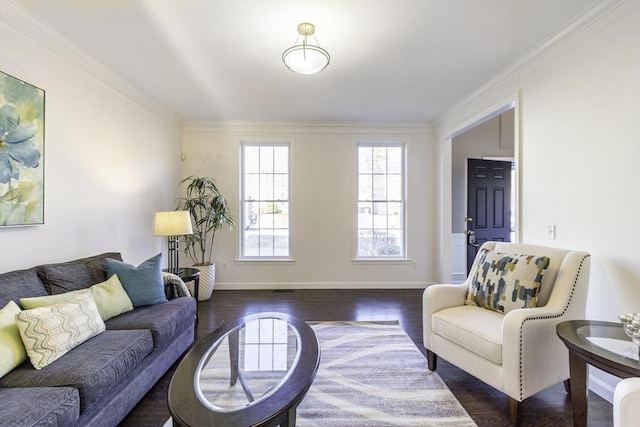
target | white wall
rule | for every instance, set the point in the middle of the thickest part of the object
(579, 109)
(110, 163)
(322, 203)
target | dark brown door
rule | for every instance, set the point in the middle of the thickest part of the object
(488, 204)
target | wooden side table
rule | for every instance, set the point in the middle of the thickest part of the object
(600, 344)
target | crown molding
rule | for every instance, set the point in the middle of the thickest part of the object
(583, 21)
(21, 21)
(310, 127)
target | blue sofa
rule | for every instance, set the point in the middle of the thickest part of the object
(101, 380)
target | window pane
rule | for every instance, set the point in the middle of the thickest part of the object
(365, 159)
(365, 187)
(281, 160)
(251, 160)
(381, 200)
(266, 242)
(365, 215)
(379, 187)
(394, 187)
(251, 186)
(380, 215)
(281, 243)
(394, 160)
(265, 204)
(266, 159)
(266, 187)
(280, 187)
(380, 160)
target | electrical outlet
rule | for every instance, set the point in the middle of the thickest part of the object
(224, 265)
(413, 265)
(551, 232)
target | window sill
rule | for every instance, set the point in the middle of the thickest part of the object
(382, 261)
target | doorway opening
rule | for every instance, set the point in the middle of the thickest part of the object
(489, 144)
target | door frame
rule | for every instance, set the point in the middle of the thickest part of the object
(453, 124)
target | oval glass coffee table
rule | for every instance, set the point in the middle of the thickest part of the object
(250, 372)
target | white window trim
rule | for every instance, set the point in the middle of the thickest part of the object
(386, 259)
(267, 141)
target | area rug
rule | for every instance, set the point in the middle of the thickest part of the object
(372, 375)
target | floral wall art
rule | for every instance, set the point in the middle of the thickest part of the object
(21, 152)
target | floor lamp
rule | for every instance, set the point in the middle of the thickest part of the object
(172, 224)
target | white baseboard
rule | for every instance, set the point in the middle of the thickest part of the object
(602, 384)
(320, 285)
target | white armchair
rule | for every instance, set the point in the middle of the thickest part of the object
(626, 403)
(518, 353)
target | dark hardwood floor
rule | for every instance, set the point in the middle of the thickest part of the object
(487, 407)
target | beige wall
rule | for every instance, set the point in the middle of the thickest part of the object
(109, 162)
(323, 198)
(577, 110)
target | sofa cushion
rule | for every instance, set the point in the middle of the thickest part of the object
(165, 321)
(75, 274)
(94, 367)
(504, 282)
(12, 352)
(57, 406)
(20, 283)
(50, 332)
(473, 328)
(144, 284)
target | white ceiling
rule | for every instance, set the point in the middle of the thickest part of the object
(391, 61)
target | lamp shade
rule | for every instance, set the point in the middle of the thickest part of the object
(172, 223)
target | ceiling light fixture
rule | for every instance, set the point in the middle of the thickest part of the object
(306, 58)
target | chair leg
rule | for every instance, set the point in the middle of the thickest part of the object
(432, 360)
(515, 411)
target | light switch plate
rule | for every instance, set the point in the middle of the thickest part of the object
(551, 232)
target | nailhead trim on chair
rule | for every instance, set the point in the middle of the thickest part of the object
(575, 281)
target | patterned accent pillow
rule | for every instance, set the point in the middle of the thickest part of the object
(12, 351)
(504, 282)
(50, 332)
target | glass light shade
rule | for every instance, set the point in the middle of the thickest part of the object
(172, 223)
(306, 58)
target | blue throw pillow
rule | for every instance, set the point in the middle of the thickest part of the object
(144, 284)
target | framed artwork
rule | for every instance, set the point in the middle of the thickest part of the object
(21, 152)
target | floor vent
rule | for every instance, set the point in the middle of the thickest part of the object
(282, 291)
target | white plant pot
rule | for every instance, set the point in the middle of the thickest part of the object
(207, 281)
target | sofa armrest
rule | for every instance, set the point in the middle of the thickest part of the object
(436, 298)
(174, 287)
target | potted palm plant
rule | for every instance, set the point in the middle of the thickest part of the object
(209, 212)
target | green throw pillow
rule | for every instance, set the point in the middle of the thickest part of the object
(109, 296)
(50, 332)
(47, 300)
(144, 284)
(504, 282)
(12, 352)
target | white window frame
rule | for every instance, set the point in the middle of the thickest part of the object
(245, 215)
(403, 247)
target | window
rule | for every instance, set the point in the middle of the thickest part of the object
(381, 201)
(265, 200)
